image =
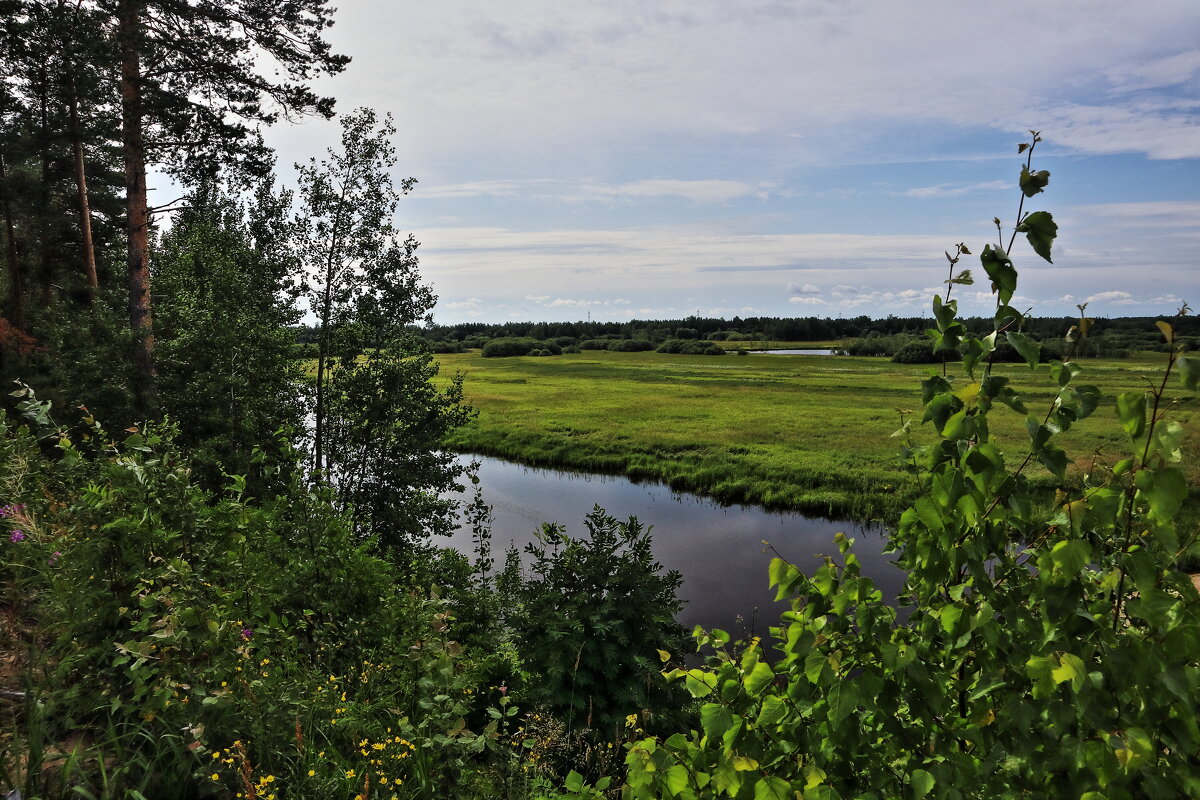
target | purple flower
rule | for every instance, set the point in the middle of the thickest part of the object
(247, 633)
(17, 536)
(54, 558)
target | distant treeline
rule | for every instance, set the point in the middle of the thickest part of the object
(900, 337)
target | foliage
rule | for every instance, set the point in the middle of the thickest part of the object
(518, 346)
(630, 345)
(588, 621)
(226, 373)
(378, 417)
(256, 636)
(697, 347)
(1037, 658)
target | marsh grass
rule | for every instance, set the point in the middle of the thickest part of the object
(804, 433)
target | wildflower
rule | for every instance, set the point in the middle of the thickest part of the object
(247, 633)
(54, 558)
(17, 536)
(349, 773)
(215, 776)
(312, 772)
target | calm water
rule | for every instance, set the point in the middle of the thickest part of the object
(809, 352)
(718, 550)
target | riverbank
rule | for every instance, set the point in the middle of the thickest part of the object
(804, 433)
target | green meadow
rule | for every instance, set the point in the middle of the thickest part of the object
(805, 433)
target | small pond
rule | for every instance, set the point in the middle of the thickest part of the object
(717, 549)
(806, 352)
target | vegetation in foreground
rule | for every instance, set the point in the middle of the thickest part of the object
(794, 432)
(191, 607)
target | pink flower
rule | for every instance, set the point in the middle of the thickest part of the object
(17, 536)
(54, 558)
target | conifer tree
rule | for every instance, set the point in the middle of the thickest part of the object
(193, 86)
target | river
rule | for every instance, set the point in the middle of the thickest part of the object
(718, 550)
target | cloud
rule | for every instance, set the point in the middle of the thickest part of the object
(695, 191)
(1116, 298)
(799, 289)
(470, 302)
(532, 81)
(950, 190)
(807, 301)
(574, 190)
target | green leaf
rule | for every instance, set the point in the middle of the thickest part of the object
(715, 719)
(1054, 458)
(699, 683)
(949, 617)
(774, 709)
(1029, 349)
(922, 782)
(1189, 372)
(959, 426)
(1166, 493)
(814, 665)
(963, 278)
(1131, 410)
(772, 789)
(999, 268)
(574, 782)
(1041, 230)
(1069, 556)
(843, 699)
(759, 679)
(744, 763)
(676, 778)
(1033, 182)
(1070, 668)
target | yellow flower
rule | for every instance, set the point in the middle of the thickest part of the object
(312, 772)
(215, 777)
(349, 773)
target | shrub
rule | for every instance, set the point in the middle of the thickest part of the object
(630, 345)
(590, 620)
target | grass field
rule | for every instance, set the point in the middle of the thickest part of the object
(808, 433)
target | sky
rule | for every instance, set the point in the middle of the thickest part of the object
(664, 158)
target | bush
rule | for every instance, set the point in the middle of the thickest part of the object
(630, 345)
(590, 621)
(922, 353)
(519, 346)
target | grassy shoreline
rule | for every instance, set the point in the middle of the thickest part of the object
(800, 433)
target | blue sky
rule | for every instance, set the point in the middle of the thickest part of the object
(662, 158)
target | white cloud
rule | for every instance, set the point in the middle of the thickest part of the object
(805, 288)
(951, 190)
(1114, 297)
(567, 190)
(575, 82)
(807, 301)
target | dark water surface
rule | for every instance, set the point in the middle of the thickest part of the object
(718, 550)
(805, 352)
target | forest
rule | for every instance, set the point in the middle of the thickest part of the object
(224, 474)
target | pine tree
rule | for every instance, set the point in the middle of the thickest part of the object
(192, 89)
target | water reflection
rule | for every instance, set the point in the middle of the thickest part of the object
(718, 550)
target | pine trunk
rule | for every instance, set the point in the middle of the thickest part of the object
(134, 148)
(88, 249)
(16, 298)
